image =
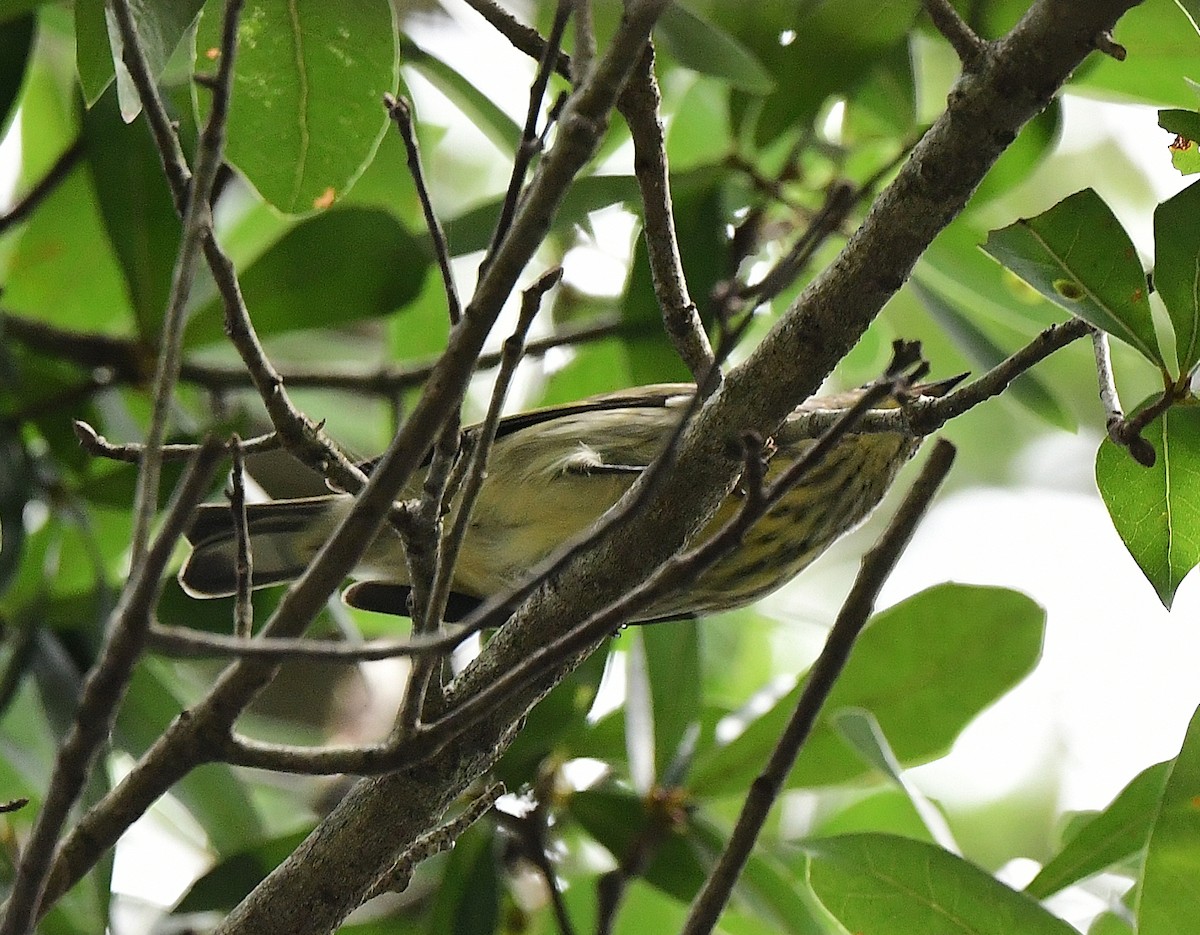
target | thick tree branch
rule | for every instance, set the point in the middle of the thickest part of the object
(986, 109)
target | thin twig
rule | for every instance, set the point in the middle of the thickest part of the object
(877, 564)
(523, 38)
(401, 113)
(639, 105)
(45, 186)
(969, 47)
(530, 138)
(100, 697)
(98, 446)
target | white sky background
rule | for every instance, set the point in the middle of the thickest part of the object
(1118, 682)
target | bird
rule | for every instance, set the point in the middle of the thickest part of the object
(551, 474)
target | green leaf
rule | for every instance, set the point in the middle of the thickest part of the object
(136, 208)
(340, 266)
(228, 883)
(1177, 269)
(16, 487)
(673, 666)
(1108, 836)
(306, 116)
(924, 667)
(861, 731)
(1156, 510)
(161, 24)
(1167, 900)
(1036, 139)
(886, 885)
(1180, 122)
(710, 50)
(1078, 255)
(468, 895)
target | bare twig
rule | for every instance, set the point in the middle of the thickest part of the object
(523, 38)
(530, 138)
(45, 186)
(969, 47)
(99, 446)
(401, 113)
(101, 695)
(877, 564)
(193, 644)
(639, 105)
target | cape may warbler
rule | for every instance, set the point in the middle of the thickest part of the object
(551, 474)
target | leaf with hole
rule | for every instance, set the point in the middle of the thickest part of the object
(1079, 256)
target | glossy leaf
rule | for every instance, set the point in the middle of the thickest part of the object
(886, 885)
(334, 268)
(1156, 510)
(1166, 902)
(1109, 836)
(1177, 269)
(925, 668)
(1078, 255)
(306, 115)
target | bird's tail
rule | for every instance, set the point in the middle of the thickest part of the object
(284, 537)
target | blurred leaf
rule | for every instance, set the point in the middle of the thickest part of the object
(1156, 510)
(620, 821)
(924, 667)
(1108, 924)
(306, 116)
(884, 106)
(887, 809)
(709, 50)
(1019, 160)
(62, 269)
(93, 52)
(562, 713)
(700, 134)
(476, 106)
(468, 897)
(1177, 269)
(16, 487)
(136, 208)
(831, 50)
(213, 793)
(1166, 901)
(888, 885)
(673, 665)
(332, 269)
(1028, 389)
(1108, 836)
(1161, 45)
(228, 883)
(1078, 255)
(16, 43)
(861, 731)
(161, 25)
